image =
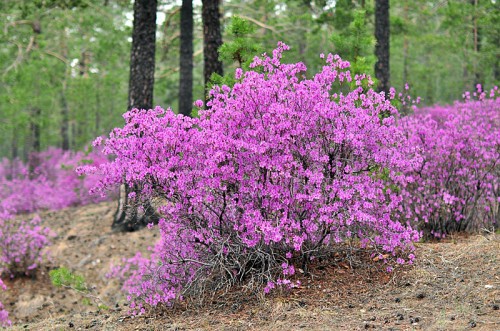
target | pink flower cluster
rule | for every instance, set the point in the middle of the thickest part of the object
(53, 184)
(457, 186)
(279, 169)
(22, 244)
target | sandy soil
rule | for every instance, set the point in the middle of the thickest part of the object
(455, 285)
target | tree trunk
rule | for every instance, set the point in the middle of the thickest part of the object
(97, 118)
(35, 133)
(477, 43)
(405, 46)
(65, 120)
(382, 34)
(212, 39)
(186, 59)
(142, 57)
(14, 150)
(134, 214)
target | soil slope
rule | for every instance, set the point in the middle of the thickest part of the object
(455, 285)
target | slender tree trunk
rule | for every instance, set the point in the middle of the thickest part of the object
(476, 43)
(142, 57)
(65, 120)
(212, 39)
(83, 64)
(65, 140)
(186, 59)
(35, 138)
(133, 214)
(97, 119)
(35, 128)
(405, 46)
(14, 148)
(382, 34)
(14, 154)
(73, 133)
(496, 67)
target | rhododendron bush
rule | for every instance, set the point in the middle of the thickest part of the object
(279, 170)
(21, 244)
(52, 184)
(457, 186)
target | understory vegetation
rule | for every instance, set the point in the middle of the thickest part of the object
(282, 169)
(278, 171)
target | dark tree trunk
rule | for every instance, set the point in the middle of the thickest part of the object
(35, 138)
(35, 128)
(405, 46)
(212, 39)
(142, 56)
(65, 121)
(382, 34)
(186, 59)
(477, 45)
(496, 68)
(97, 119)
(129, 216)
(14, 151)
(83, 64)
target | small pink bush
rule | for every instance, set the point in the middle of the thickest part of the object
(52, 185)
(281, 169)
(457, 187)
(21, 245)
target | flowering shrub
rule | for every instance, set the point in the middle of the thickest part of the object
(279, 170)
(4, 315)
(457, 187)
(21, 244)
(53, 184)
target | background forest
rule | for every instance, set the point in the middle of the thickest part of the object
(64, 64)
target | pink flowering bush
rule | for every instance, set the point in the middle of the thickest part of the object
(53, 184)
(4, 315)
(279, 170)
(21, 245)
(457, 186)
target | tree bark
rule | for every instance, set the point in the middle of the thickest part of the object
(35, 131)
(212, 39)
(405, 46)
(142, 56)
(477, 44)
(134, 214)
(14, 150)
(65, 120)
(382, 34)
(186, 59)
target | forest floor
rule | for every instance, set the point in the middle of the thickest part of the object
(454, 285)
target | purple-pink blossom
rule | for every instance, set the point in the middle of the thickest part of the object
(278, 163)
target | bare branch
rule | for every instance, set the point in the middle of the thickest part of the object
(18, 59)
(16, 23)
(259, 23)
(57, 56)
